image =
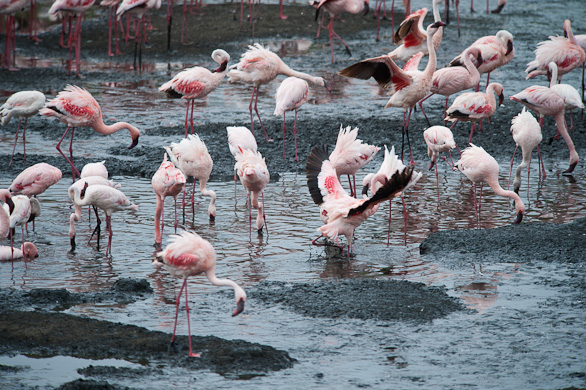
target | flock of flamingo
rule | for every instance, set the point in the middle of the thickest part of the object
(341, 212)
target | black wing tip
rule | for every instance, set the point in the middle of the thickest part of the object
(313, 166)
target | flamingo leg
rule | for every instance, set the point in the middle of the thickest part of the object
(406, 132)
(191, 354)
(186, 116)
(281, 15)
(191, 116)
(109, 223)
(283, 134)
(541, 161)
(177, 309)
(404, 220)
(193, 200)
(254, 88)
(389, 225)
(295, 135)
(110, 32)
(334, 34)
(169, 22)
(437, 183)
(175, 215)
(98, 226)
(511, 169)
(15, 141)
(258, 115)
(184, 191)
(73, 169)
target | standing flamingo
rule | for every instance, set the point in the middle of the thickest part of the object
(406, 87)
(343, 212)
(475, 106)
(137, 8)
(105, 198)
(526, 133)
(479, 167)
(565, 52)
(254, 176)
(258, 66)
(113, 7)
(23, 104)
(196, 83)
(438, 139)
(191, 156)
(167, 181)
(571, 97)
(291, 94)
(28, 251)
(240, 138)
(350, 154)
(71, 8)
(76, 107)
(336, 8)
(10, 8)
(190, 255)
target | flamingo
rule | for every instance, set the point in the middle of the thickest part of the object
(342, 212)
(191, 156)
(438, 139)
(411, 37)
(95, 169)
(137, 8)
(35, 180)
(336, 8)
(475, 106)
(167, 181)
(106, 198)
(545, 102)
(581, 40)
(254, 176)
(196, 83)
(113, 7)
(479, 166)
(239, 137)
(23, 104)
(527, 134)
(28, 251)
(35, 212)
(406, 87)
(72, 8)
(10, 8)
(571, 97)
(5, 197)
(258, 66)
(495, 51)
(565, 52)
(19, 210)
(76, 107)
(291, 94)
(190, 255)
(350, 154)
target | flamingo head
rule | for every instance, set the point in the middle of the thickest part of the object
(240, 300)
(509, 47)
(520, 209)
(222, 58)
(519, 218)
(82, 192)
(6, 197)
(30, 251)
(134, 141)
(567, 26)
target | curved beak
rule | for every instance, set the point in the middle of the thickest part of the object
(479, 59)
(565, 33)
(327, 86)
(134, 143)
(366, 8)
(509, 47)
(365, 189)
(10, 204)
(501, 98)
(519, 218)
(438, 24)
(239, 307)
(570, 168)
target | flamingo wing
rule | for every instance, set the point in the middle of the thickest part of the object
(409, 32)
(413, 63)
(383, 69)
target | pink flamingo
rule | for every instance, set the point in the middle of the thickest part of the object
(167, 181)
(570, 95)
(581, 40)
(479, 166)
(28, 251)
(526, 133)
(406, 86)
(72, 8)
(239, 138)
(291, 94)
(341, 212)
(254, 176)
(95, 169)
(137, 8)
(412, 37)
(76, 107)
(190, 255)
(196, 83)
(19, 210)
(23, 104)
(192, 157)
(5, 197)
(438, 139)
(565, 52)
(33, 22)
(475, 106)
(106, 198)
(350, 154)
(495, 51)
(336, 8)
(113, 7)
(258, 66)
(451, 80)
(10, 8)
(35, 180)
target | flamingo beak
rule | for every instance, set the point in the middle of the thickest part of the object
(438, 24)
(366, 8)
(327, 87)
(365, 189)
(501, 99)
(509, 47)
(134, 143)
(570, 168)
(519, 218)
(565, 33)
(10, 204)
(479, 59)
(239, 307)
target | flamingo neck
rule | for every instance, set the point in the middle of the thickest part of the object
(431, 64)
(436, 14)
(472, 69)
(293, 73)
(570, 33)
(554, 76)
(211, 275)
(563, 129)
(496, 187)
(104, 129)
(490, 96)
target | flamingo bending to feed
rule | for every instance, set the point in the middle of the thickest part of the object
(527, 134)
(196, 83)
(438, 139)
(28, 251)
(106, 198)
(254, 176)
(568, 93)
(291, 94)
(258, 66)
(479, 166)
(23, 104)
(192, 157)
(190, 255)
(343, 212)
(336, 8)
(475, 106)
(76, 107)
(10, 8)
(137, 8)
(167, 181)
(565, 52)
(350, 154)
(406, 87)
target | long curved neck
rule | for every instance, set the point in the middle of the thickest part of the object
(554, 76)
(431, 64)
(293, 73)
(211, 275)
(77, 199)
(570, 33)
(436, 14)
(104, 129)
(473, 70)
(560, 121)
(493, 182)
(490, 96)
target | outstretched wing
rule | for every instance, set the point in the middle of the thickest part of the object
(383, 69)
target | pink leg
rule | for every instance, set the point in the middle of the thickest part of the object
(109, 223)
(283, 17)
(511, 169)
(283, 134)
(389, 225)
(177, 309)
(73, 169)
(191, 354)
(437, 184)
(250, 109)
(541, 161)
(295, 135)
(175, 215)
(258, 115)
(404, 220)
(117, 26)
(191, 117)
(186, 116)
(422, 110)
(24, 140)
(110, 32)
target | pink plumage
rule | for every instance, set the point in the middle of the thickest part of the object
(35, 180)
(167, 181)
(292, 93)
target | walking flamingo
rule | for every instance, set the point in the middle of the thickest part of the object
(254, 176)
(190, 255)
(342, 212)
(106, 198)
(167, 181)
(350, 154)
(565, 52)
(28, 251)
(438, 139)
(10, 8)
(526, 133)
(137, 8)
(336, 8)
(76, 107)
(568, 93)
(23, 104)
(196, 83)
(475, 106)
(258, 66)
(191, 156)
(291, 94)
(406, 87)
(35, 180)
(479, 166)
